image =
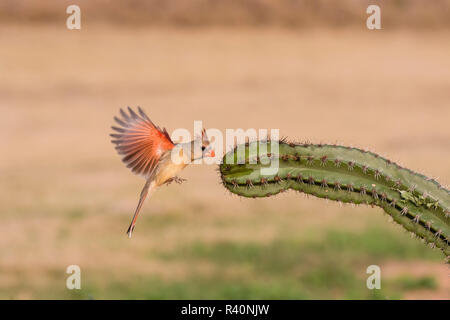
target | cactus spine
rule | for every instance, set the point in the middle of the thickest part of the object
(345, 174)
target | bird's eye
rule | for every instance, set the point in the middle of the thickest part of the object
(203, 148)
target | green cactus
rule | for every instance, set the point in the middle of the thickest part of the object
(345, 174)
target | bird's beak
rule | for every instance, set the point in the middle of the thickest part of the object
(210, 153)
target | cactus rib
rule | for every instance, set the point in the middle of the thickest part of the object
(349, 175)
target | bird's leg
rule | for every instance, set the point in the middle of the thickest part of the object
(168, 181)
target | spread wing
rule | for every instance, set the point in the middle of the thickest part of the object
(140, 143)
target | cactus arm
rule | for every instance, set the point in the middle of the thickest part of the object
(349, 175)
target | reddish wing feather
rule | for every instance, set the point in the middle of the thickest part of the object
(140, 142)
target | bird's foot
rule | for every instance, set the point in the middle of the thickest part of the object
(175, 179)
(179, 180)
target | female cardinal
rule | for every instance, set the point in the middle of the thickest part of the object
(147, 151)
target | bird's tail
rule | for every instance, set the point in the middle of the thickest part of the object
(144, 193)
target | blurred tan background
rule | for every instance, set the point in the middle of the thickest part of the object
(309, 68)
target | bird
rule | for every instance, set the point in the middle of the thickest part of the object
(149, 152)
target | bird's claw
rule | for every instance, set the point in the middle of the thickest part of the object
(175, 179)
(179, 180)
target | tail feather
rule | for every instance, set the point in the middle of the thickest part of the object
(144, 193)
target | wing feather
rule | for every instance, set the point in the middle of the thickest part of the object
(140, 142)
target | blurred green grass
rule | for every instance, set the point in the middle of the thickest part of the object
(410, 283)
(288, 267)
